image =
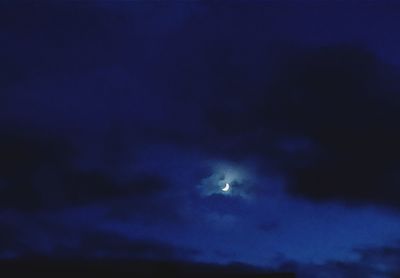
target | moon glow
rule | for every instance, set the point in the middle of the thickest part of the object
(226, 188)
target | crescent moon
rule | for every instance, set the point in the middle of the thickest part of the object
(226, 188)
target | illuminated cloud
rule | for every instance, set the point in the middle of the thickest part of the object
(239, 177)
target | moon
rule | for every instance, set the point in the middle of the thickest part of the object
(226, 188)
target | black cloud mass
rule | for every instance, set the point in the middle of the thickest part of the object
(379, 262)
(121, 120)
(342, 100)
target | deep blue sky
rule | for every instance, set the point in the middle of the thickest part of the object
(121, 122)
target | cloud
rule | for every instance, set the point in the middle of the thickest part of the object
(24, 156)
(10, 241)
(53, 243)
(39, 173)
(326, 120)
(268, 226)
(239, 177)
(110, 245)
(338, 98)
(324, 117)
(140, 268)
(372, 262)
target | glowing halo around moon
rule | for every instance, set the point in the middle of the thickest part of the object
(228, 179)
(226, 188)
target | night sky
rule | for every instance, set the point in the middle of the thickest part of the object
(122, 122)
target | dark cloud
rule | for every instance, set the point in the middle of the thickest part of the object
(371, 262)
(10, 239)
(326, 119)
(167, 204)
(240, 96)
(268, 226)
(95, 185)
(225, 255)
(55, 190)
(39, 173)
(66, 40)
(24, 155)
(87, 244)
(110, 245)
(338, 98)
(139, 268)
(137, 95)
